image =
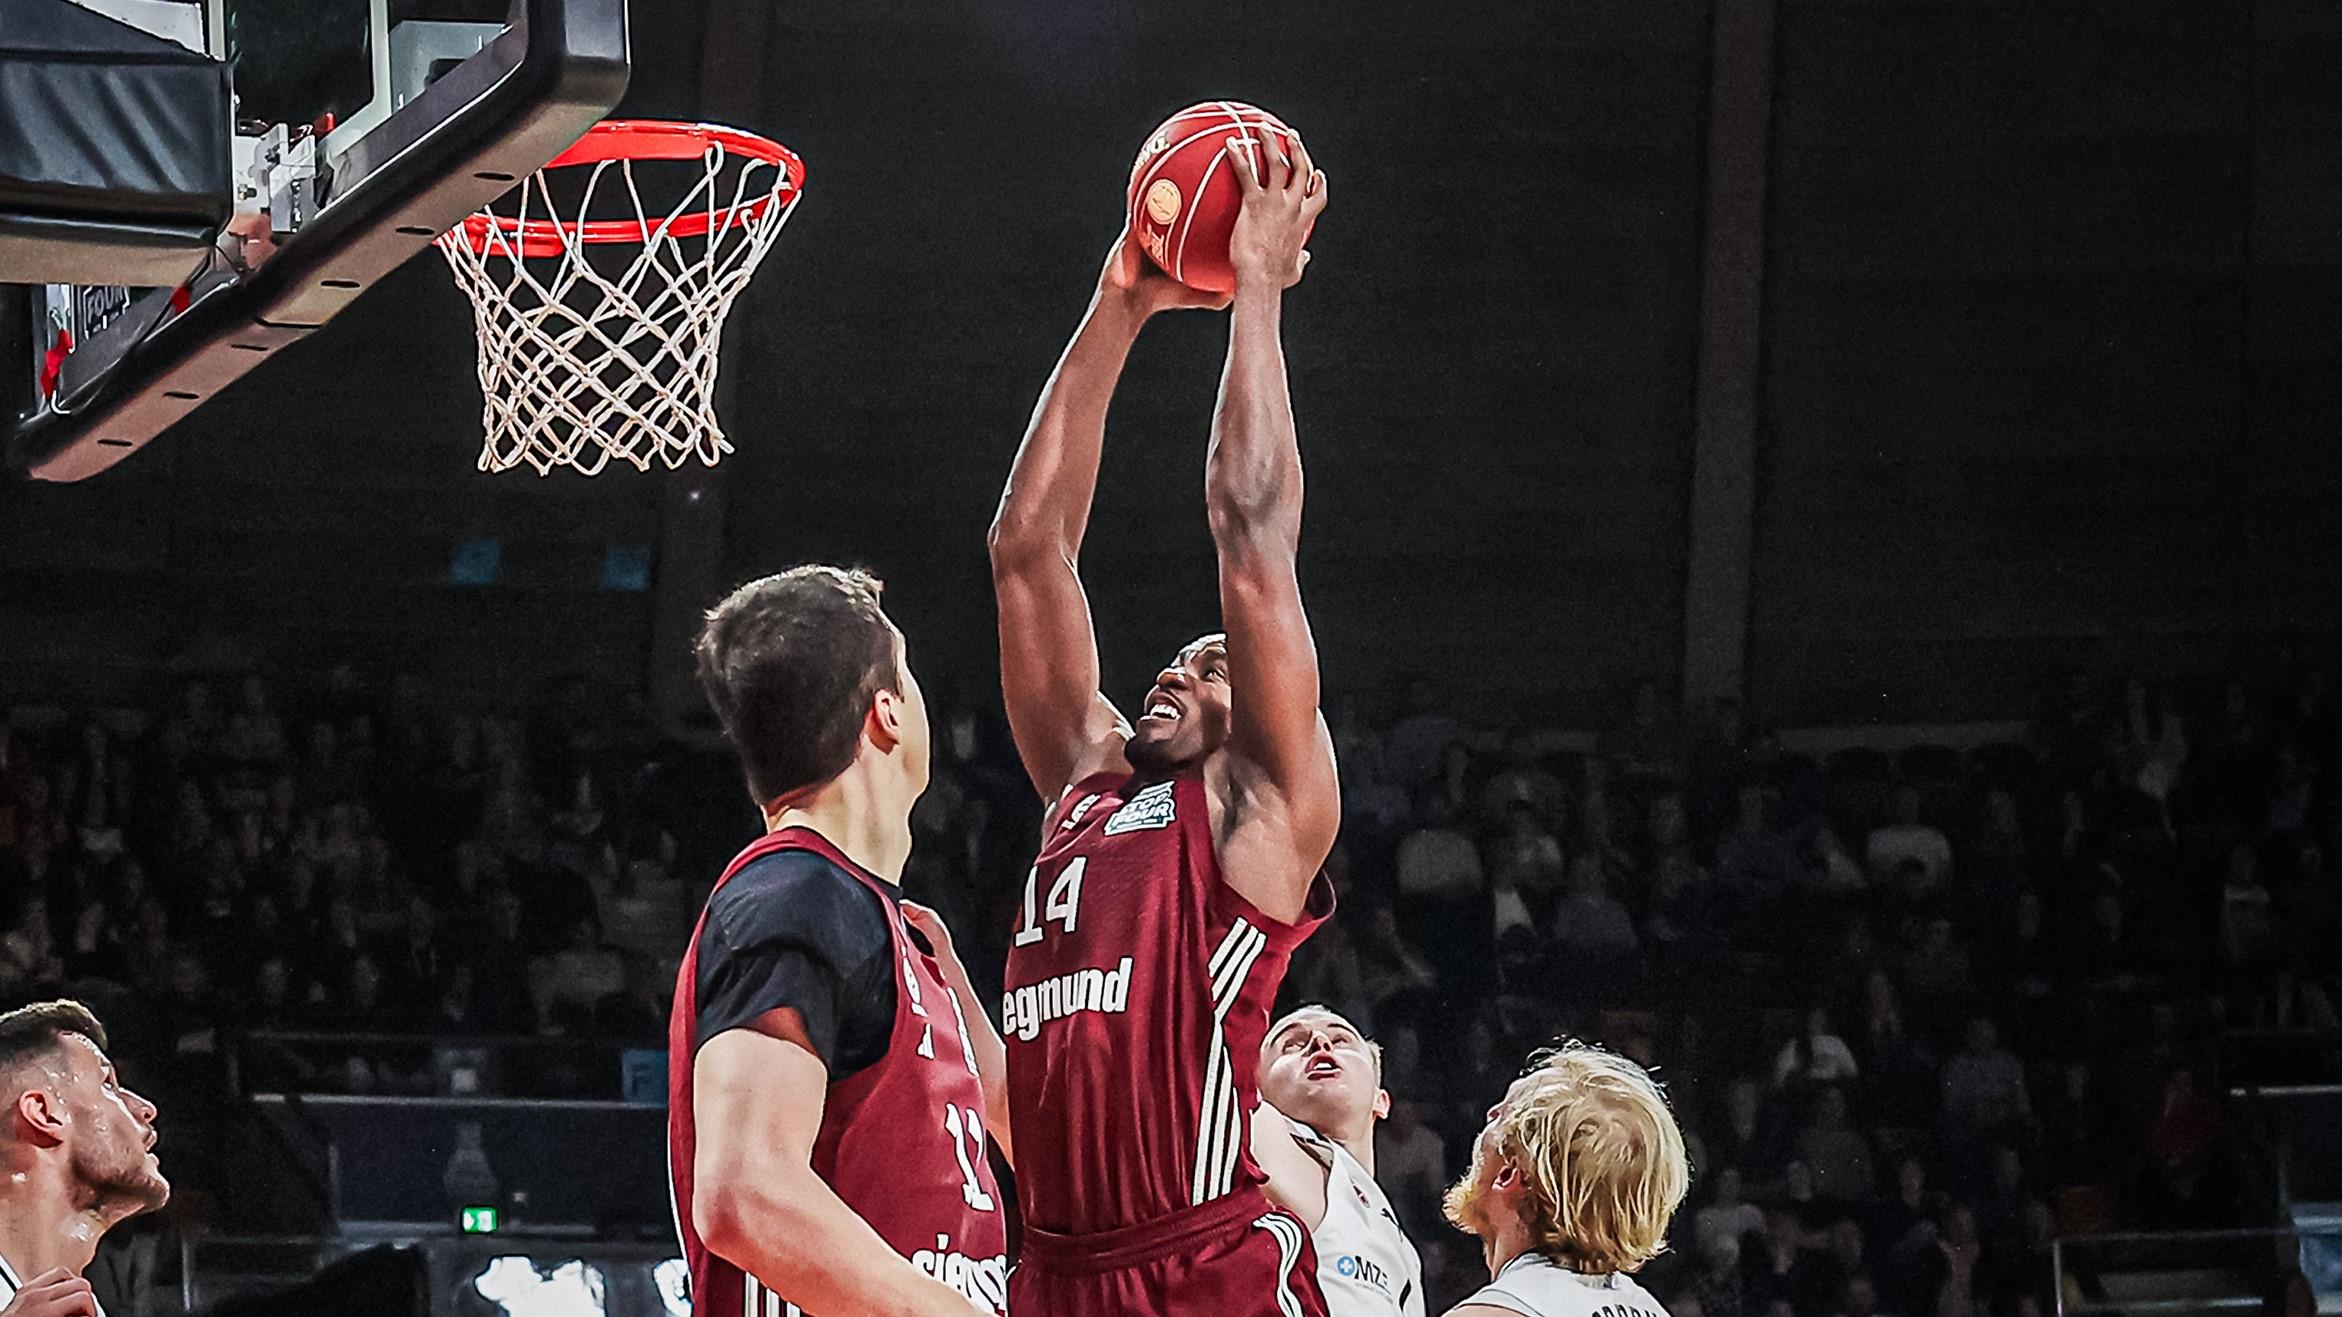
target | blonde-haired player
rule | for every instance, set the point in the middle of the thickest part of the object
(1573, 1182)
(1313, 1135)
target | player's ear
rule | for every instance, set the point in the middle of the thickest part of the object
(39, 1116)
(1382, 1104)
(884, 724)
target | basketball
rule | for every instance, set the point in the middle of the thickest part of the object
(1183, 195)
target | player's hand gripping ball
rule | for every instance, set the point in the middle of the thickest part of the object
(1184, 194)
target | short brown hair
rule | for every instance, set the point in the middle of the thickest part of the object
(790, 663)
(1601, 1155)
(36, 1030)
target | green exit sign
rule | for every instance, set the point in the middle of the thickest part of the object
(482, 1220)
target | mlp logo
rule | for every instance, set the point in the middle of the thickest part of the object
(1154, 807)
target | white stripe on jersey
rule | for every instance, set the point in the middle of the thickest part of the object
(1288, 1236)
(1220, 1126)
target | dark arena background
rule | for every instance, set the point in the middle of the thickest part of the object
(1821, 537)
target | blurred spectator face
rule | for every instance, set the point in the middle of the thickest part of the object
(1911, 1180)
(2008, 1170)
(1797, 1181)
(1741, 1103)
(272, 983)
(365, 983)
(1861, 1297)
(1585, 875)
(1817, 1023)
(1455, 762)
(1402, 1053)
(1783, 1228)
(1728, 1186)
(1981, 1036)
(1521, 822)
(1960, 1226)
(2106, 914)
(252, 696)
(1722, 1258)
(1846, 1244)
(188, 977)
(2040, 1224)
(2000, 812)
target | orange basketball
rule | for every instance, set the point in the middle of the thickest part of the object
(1184, 194)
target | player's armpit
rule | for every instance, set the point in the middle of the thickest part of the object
(1296, 1180)
(757, 1099)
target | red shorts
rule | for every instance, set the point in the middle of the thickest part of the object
(1235, 1256)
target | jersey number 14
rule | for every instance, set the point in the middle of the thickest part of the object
(1063, 905)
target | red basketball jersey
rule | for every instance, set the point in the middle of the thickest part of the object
(1138, 989)
(901, 1140)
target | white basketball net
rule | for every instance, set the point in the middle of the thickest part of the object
(580, 365)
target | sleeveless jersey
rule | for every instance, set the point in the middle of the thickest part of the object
(1138, 990)
(901, 1140)
(1365, 1264)
(1536, 1286)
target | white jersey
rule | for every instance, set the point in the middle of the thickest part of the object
(1365, 1264)
(1536, 1286)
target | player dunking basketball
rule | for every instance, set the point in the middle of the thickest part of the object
(826, 1116)
(1180, 861)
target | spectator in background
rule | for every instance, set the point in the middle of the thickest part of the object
(1418, 741)
(1756, 859)
(1815, 1055)
(1906, 839)
(2247, 929)
(1727, 1218)
(1524, 780)
(1591, 928)
(1984, 1086)
(1835, 1152)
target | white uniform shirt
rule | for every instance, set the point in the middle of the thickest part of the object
(1365, 1264)
(1536, 1286)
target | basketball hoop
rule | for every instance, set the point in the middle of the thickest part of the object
(582, 360)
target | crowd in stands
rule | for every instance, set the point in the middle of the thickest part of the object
(1919, 1011)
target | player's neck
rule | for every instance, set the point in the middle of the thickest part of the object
(43, 1226)
(1509, 1242)
(859, 815)
(1359, 1143)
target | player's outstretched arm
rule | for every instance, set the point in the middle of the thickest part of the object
(756, 1102)
(1065, 728)
(1285, 791)
(1297, 1181)
(983, 1036)
(1480, 1310)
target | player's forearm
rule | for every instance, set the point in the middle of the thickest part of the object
(796, 1236)
(1046, 507)
(1253, 478)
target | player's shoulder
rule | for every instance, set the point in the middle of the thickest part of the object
(793, 891)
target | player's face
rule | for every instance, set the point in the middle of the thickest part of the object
(1316, 1069)
(1185, 718)
(113, 1131)
(1475, 1203)
(911, 715)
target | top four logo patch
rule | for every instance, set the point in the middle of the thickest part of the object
(1154, 807)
